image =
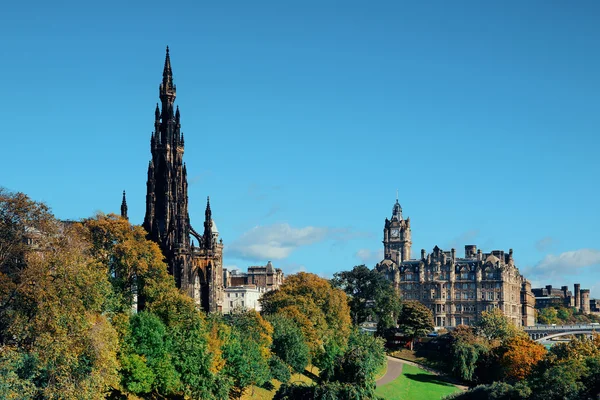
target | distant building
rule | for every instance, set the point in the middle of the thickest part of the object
(240, 297)
(553, 297)
(266, 277)
(595, 306)
(456, 289)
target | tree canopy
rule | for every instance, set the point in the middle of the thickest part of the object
(415, 320)
(370, 296)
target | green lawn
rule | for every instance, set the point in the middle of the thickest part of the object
(416, 384)
(257, 393)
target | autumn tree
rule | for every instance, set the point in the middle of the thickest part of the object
(519, 355)
(321, 311)
(139, 280)
(370, 296)
(415, 320)
(52, 306)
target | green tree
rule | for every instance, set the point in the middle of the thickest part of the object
(359, 364)
(415, 321)
(547, 316)
(495, 391)
(146, 362)
(247, 351)
(289, 343)
(563, 380)
(494, 325)
(466, 349)
(370, 296)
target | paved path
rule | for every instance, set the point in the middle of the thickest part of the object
(394, 369)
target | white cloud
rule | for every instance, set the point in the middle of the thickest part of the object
(563, 265)
(367, 256)
(465, 238)
(546, 243)
(275, 242)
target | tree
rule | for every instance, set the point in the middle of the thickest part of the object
(136, 271)
(247, 351)
(147, 360)
(520, 356)
(370, 295)
(494, 325)
(559, 381)
(288, 342)
(359, 364)
(466, 349)
(416, 320)
(547, 316)
(52, 304)
(135, 264)
(495, 391)
(321, 311)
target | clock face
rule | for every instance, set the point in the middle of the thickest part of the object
(395, 233)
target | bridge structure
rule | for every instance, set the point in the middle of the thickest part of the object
(546, 334)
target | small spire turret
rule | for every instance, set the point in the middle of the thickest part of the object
(167, 88)
(124, 207)
(208, 225)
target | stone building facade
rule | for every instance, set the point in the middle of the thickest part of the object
(553, 297)
(456, 289)
(198, 270)
(242, 297)
(262, 276)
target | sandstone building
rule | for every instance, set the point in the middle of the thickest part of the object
(456, 289)
(553, 297)
(262, 276)
(198, 270)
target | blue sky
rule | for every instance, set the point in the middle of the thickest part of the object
(302, 119)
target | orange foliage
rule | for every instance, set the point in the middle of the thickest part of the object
(521, 355)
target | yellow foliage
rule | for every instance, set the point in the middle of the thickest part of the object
(521, 355)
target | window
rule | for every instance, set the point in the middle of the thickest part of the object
(231, 304)
(228, 294)
(242, 303)
(236, 295)
(242, 296)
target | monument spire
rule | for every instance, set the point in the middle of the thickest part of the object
(124, 207)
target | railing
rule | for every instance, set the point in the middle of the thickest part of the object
(562, 327)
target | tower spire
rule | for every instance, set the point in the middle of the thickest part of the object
(124, 207)
(167, 72)
(167, 87)
(208, 224)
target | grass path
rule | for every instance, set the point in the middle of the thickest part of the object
(416, 384)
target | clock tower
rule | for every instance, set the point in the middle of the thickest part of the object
(396, 236)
